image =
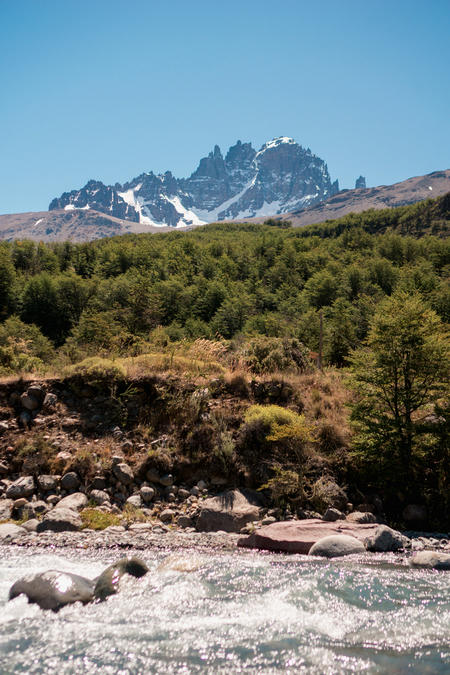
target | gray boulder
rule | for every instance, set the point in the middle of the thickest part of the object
(167, 516)
(431, 560)
(229, 511)
(47, 483)
(123, 473)
(29, 402)
(40, 506)
(108, 582)
(184, 521)
(37, 393)
(99, 496)
(147, 493)
(6, 507)
(336, 546)
(70, 481)
(31, 525)
(332, 514)
(22, 487)
(9, 532)
(53, 589)
(385, 539)
(75, 501)
(135, 500)
(60, 520)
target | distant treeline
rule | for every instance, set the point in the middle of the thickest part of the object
(224, 280)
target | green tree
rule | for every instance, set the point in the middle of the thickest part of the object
(398, 374)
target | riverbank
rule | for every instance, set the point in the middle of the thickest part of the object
(143, 536)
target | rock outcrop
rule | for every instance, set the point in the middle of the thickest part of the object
(431, 560)
(229, 511)
(298, 536)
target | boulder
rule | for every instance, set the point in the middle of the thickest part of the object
(184, 521)
(332, 514)
(60, 520)
(99, 483)
(70, 481)
(29, 402)
(431, 560)
(385, 539)
(25, 419)
(152, 475)
(37, 392)
(123, 473)
(40, 506)
(31, 525)
(147, 493)
(99, 496)
(6, 507)
(135, 500)
(9, 532)
(229, 511)
(298, 536)
(53, 589)
(166, 480)
(361, 517)
(47, 482)
(22, 487)
(50, 401)
(74, 502)
(337, 545)
(108, 582)
(166, 516)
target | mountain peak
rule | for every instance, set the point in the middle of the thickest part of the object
(282, 176)
(276, 142)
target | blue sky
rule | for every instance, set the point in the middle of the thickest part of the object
(107, 89)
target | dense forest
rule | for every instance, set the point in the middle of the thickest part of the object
(239, 301)
(117, 295)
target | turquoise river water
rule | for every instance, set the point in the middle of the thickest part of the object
(232, 613)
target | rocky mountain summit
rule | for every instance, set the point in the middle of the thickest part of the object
(282, 176)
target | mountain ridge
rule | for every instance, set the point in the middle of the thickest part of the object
(403, 193)
(281, 176)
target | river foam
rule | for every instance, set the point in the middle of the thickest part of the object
(230, 613)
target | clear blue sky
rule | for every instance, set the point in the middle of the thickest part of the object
(107, 89)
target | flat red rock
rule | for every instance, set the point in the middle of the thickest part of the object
(297, 536)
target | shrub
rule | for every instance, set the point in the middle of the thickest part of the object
(268, 355)
(23, 348)
(98, 520)
(272, 434)
(285, 485)
(97, 372)
(281, 423)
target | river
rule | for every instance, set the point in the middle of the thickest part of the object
(231, 613)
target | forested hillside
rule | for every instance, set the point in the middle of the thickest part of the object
(220, 281)
(231, 314)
